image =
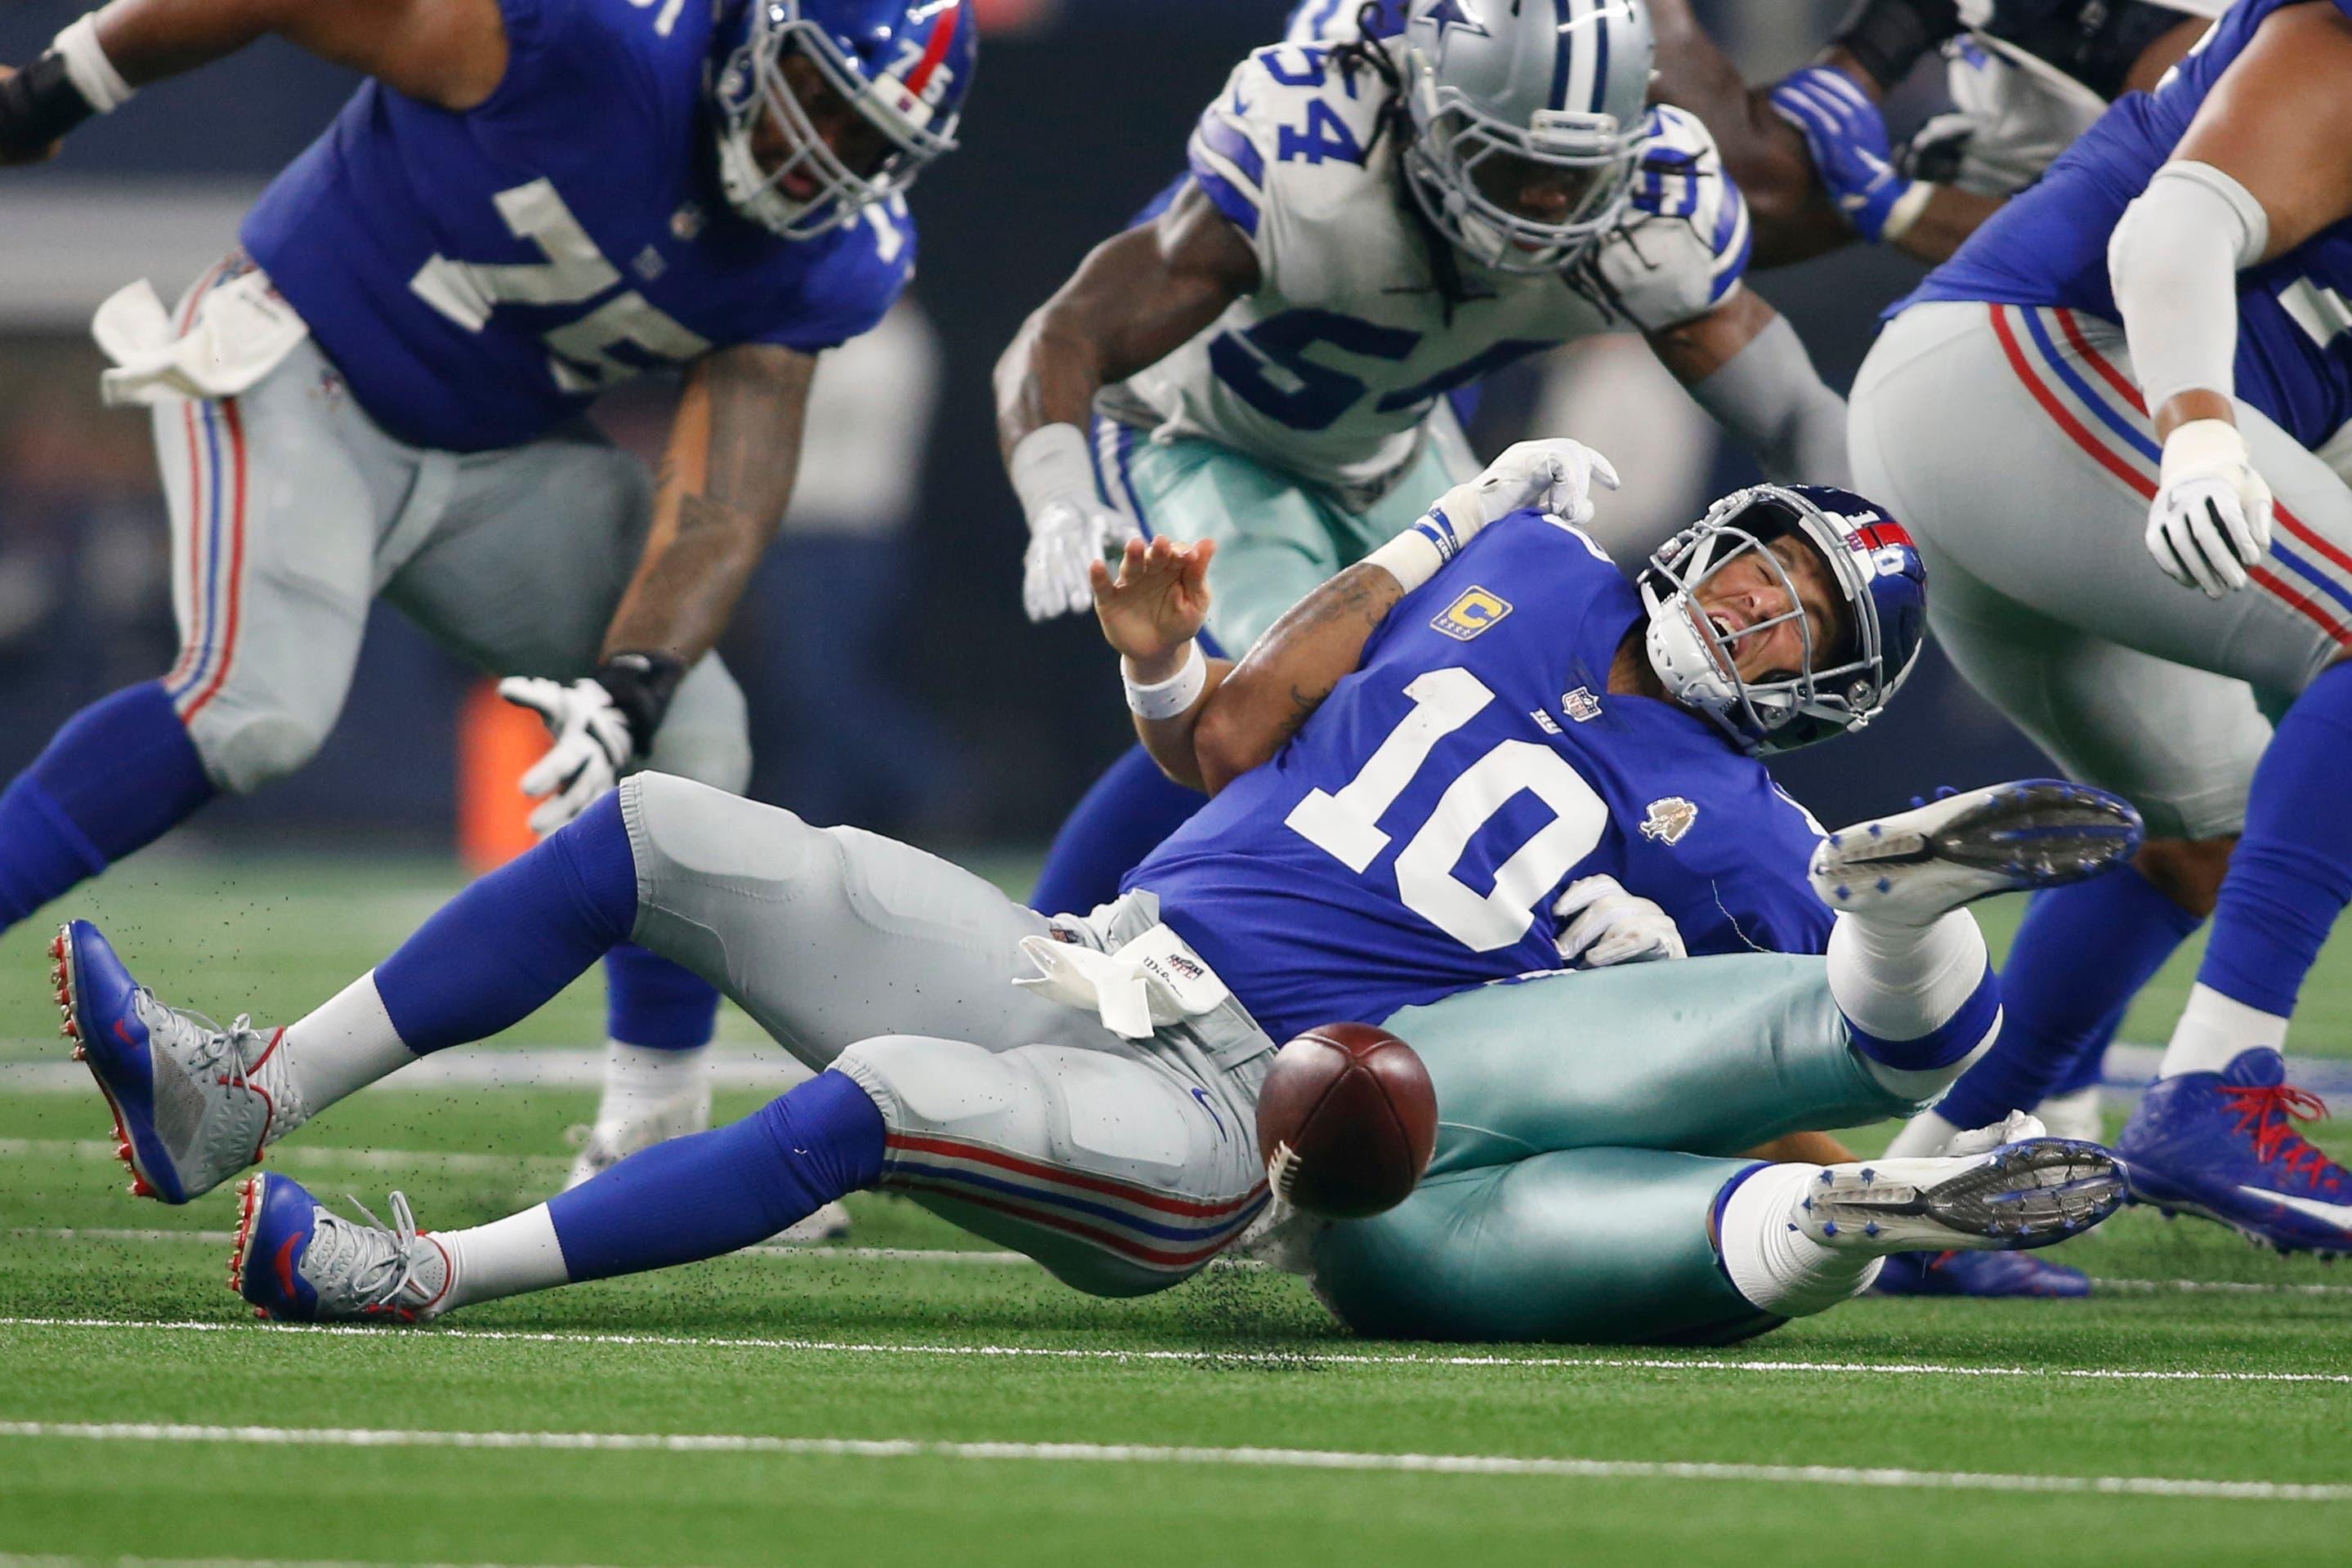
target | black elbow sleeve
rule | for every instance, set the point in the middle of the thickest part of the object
(1887, 37)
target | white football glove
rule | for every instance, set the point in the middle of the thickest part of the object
(593, 745)
(1607, 924)
(1556, 476)
(1065, 539)
(2014, 1128)
(2211, 517)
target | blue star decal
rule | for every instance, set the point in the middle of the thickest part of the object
(1450, 14)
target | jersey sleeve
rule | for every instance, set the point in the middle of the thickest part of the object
(849, 292)
(1283, 149)
(1684, 242)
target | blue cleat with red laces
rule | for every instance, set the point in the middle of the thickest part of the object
(2224, 1145)
(1986, 1275)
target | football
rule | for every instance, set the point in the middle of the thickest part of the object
(1347, 1120)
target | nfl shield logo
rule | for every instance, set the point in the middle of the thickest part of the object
(1581, 704)
(1670, 819)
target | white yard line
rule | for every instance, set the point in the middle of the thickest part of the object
(1151, 1454)
(315, 1156)
(951, 1254)
(28, 1560)
(44, 1066)
(1215, 1356)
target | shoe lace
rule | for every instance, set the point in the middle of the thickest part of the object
(2269, 1111)
(379, 1281)
(214, 1043)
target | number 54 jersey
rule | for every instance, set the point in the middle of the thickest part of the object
(1364, 315)
(1411, 840)
(479, 277)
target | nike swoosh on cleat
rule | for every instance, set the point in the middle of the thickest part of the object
(285, 1261)
(2336, 1214)
(122, 1033)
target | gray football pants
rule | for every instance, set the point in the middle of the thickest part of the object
(1122, 1165)
(291, 511)
(2010, 443)
(1586, 1123)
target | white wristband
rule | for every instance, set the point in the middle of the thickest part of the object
(1174, 695)
(1415, 556)
(1906, 211)
(1051, 463)
(87, 66)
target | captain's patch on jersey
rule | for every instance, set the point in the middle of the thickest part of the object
(1669, 820)
(1476, 610)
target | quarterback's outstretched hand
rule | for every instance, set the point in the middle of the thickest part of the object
(1067, 541)
(2211, 517)
(1607, 924)
(1157, 603)
(1846, 134)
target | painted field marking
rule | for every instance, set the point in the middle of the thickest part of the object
(1153, 1454)
(951, 1254)
(30, 1560)
(1206, 1354)
(312, 1156)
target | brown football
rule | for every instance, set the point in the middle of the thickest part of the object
(1347, 1120)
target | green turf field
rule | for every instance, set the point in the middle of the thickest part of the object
(897, 1402)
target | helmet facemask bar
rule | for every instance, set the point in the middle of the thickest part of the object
(1454, 138)
(1761, 715)
(752, 86)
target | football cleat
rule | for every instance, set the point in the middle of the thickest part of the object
(2223, 1145)
(608, 1143)
(2022, 1195)
(194, 1104)
(1916, 867)
(296, 1260)
(1985, 1275)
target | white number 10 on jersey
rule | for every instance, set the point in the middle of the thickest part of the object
(1346, 825)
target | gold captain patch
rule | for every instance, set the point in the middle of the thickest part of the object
(1476, 610)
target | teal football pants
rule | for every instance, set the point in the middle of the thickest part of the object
(1586, 1122)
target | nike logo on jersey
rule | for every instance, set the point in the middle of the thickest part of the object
(1202, 1096)
(2336, 1214)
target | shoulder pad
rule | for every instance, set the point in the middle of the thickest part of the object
(1289, 119)
(1685, 238)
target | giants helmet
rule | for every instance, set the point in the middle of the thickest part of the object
(1876, 572)
(1561, 83)
(904, 65)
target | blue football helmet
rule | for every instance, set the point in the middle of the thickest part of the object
(904, 65)
(1878, 575)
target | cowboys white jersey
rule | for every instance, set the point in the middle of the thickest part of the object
(1364, 317)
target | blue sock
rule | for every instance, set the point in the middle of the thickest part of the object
(499, 951)
(2291, 874)
(1121, 820)
(120, 774)
(2081, 954)
(654, 1003)
(713, 1192)
(2087, 1069)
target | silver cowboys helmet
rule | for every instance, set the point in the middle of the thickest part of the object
(1878, 585)
(1495, 85)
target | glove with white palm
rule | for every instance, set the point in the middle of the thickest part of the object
(2211, 517)
(601, 726)
(1607, 925)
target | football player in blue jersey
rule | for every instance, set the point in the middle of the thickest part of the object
(380, 394)
(1459, 734)
(2153, 339)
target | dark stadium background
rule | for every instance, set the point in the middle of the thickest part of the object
(1076, 120)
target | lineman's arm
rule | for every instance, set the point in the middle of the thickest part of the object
(1746, 366)
(734, 449)
(451, 53)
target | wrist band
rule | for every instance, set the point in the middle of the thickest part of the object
(1906, 211)
(101, 84)
(641, 686)
(1051, 463)
(1416, 555)
(1173, 696)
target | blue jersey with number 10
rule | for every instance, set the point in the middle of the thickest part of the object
(2048, 246)
(479, 277)
(1410, 840)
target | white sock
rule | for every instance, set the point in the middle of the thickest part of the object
(1779, 1268)
(504, 1257)
(340, 1047)
(1901, 982)
(2213, 1029)
(639, 1081)
(1924, 1135)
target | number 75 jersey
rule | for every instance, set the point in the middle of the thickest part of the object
(1411, 840)
(1364, 315)
(478, 278)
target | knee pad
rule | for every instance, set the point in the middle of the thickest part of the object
(246, 747)
(927, 1084)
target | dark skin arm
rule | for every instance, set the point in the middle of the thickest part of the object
(734, 449)
(1134, 301)
(2280, 124)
